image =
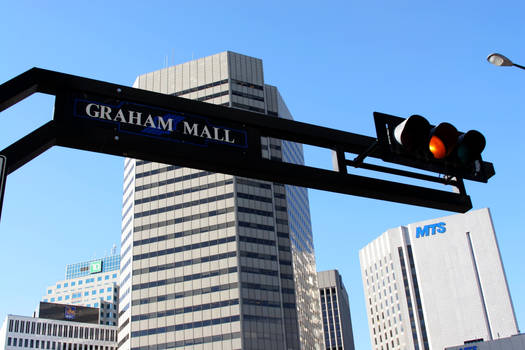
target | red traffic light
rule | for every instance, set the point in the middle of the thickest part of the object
(443, 139)
(442, 142)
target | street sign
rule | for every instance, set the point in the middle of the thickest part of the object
(2, 181)
(113, 119)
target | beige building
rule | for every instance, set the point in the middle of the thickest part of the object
(213, 261)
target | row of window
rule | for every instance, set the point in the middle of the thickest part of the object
(249, 108)
(180, 279)
(170, 180)
(183, 205)
(188, 293)
(201, 87)
(40, 328)
(183, 326)
(247, 95)
(183, 310)
(169, 251)
(190, 342)
(212, 96)
(80, 282)
(109, 263)
(184, 191)
(184, 219)
(180, 234)
(53, 345)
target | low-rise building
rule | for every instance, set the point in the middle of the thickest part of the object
(22, 332)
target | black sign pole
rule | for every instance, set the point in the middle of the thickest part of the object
(113, 119)
(3, 175)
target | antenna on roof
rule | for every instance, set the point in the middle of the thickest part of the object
(114, 249)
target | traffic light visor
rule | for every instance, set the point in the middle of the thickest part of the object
(413, 132)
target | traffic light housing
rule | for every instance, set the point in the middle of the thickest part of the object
(443, 149)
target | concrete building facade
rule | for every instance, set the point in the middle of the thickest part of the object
(515, 342)
(437, 283)
(335, 311)
(213, 261)
(92, 283)
(21, 332)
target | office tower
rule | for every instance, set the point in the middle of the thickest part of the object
(91, 283)
(58, 327)
(214, 260)
(335, 311)
(436, 283)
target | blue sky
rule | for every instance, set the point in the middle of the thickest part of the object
(335, 63)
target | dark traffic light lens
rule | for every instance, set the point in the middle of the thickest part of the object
(470, 146)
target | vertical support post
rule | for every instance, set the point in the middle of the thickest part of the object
(3, 175)
(339, 161)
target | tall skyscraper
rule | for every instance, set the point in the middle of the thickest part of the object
(335, 311)
(437, 283)
(214, 260)
(92, 283)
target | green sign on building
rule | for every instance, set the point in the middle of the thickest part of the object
(95, 266)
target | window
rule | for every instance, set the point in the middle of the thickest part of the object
(59, 286)
(59, 298)
(52, 299)
(49, 291)
(22, 324)
(109, 297)
(102, 291)
(107, 277)
(99, 278)
(79, 283)
(14, 341)
(67, 297)
(73, 284)
(93, 292)
(9, 341)
(109, 289)
(86, 294)
(114, 275)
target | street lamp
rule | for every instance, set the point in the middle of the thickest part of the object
(500, 60)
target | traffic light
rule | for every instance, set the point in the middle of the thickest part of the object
(415, 142)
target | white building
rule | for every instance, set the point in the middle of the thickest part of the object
(92, 283)
(21, 332)
(515, 342)
(436, 283)
(335, 311)
(215, 260)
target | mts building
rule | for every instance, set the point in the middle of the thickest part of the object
(437, 283)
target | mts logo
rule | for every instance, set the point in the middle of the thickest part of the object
(431, 229)
(474, 347)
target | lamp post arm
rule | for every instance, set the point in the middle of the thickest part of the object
(519, 66)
